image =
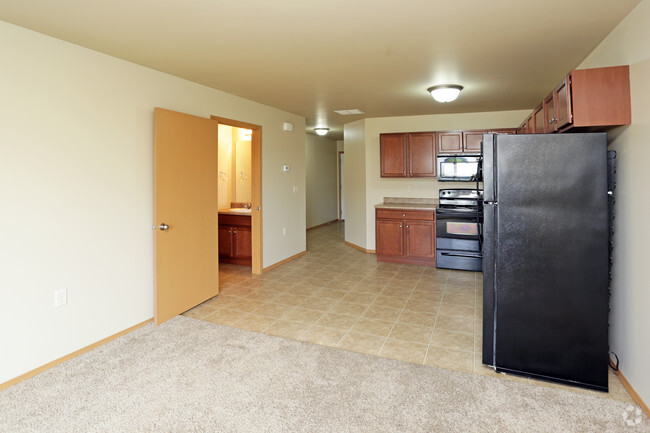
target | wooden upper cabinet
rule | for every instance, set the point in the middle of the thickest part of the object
(586, 98)
(422, 154)
(557, 107)
(601, 96)
(530, 125)
(562, 94)
(450, 142)
(548, 107)
(408, 154)
(538, 115)
(472, 141)
(393, 154)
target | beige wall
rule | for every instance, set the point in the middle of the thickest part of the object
(340, 206)
(225, 166)
(354, 186)
(629, 43)
(77, 197)
(376, 188)
(242, 167)
(322, 180)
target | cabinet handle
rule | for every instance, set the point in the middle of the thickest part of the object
(407, 226)
(235, 231)
(400, 226)
(403, 214)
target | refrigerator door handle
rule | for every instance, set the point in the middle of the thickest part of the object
(489, 159)
(489, 284)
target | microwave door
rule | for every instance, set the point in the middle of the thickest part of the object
(448, 170)
(458, 168)
(467, 171)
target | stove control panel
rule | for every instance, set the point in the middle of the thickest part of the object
(461, 193)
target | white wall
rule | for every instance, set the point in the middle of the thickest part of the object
(322, 202)
(629, 43)
(76, 190)
(376, 188)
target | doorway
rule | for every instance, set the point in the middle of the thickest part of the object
(255, 187)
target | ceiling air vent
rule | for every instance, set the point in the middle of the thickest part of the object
(349, 112)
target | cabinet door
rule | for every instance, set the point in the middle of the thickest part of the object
(420, 239)
(562, 104)
(393, 154)
(539, 120)
(450, 142)
(549, 113)
(530, 125)
(422, 154)
(389, 238)
(225, 241)
(472, 141)
(242, 242)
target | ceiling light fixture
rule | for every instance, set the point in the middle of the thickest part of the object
(321, 131)
(445, 92)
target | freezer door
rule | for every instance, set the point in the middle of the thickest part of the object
(551, 267)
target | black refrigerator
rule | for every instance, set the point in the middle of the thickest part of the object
(546, 257)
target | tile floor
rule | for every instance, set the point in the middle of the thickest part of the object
(338, 296)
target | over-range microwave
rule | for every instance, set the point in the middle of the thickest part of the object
(459, 168)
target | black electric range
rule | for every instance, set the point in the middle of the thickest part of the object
(459, 219)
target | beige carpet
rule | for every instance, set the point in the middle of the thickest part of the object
(194, 376)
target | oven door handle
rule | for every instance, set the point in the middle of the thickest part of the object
(455, 212)
(469, 255)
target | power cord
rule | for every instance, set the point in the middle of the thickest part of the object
(615, 365)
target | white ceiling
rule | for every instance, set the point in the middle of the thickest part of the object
(311, 57)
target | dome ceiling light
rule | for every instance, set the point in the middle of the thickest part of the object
(321, 131)
(445, 92)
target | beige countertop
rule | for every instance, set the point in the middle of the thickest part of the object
(235, 211)
(408, 203)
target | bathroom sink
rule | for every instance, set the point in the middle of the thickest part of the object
(241, 210)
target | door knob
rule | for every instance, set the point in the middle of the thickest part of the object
(163, 227)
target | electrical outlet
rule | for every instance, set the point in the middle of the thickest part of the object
(409, 188)
(284, 231)
(60, 297)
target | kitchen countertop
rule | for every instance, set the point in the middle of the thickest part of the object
(408, 203)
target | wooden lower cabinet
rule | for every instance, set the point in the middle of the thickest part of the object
(405, 236)
(235, 240)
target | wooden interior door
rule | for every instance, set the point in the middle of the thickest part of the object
(186, 255)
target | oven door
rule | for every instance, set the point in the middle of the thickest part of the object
(458, 228)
